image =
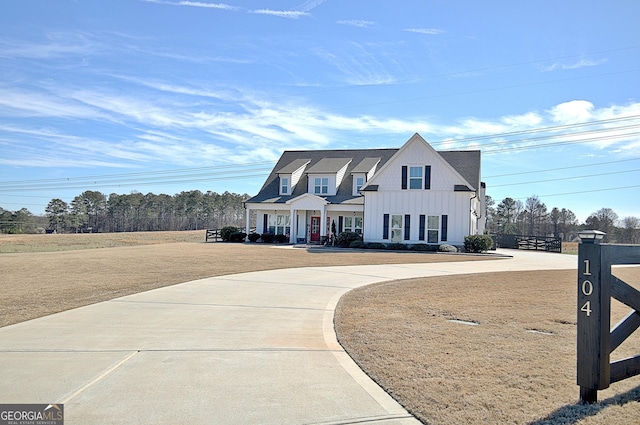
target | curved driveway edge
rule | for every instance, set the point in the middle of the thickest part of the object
(251, 348)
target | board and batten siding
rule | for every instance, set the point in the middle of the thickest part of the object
(455, 205)
(443, 177)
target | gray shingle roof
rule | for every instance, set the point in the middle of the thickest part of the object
(270, 189)
(328, 165)
(466, 163)
(290, 168)
(366, 165)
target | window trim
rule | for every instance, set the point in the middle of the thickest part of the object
(415, 180)
(320, 184)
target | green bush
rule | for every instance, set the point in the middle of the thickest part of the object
(225, 232)
(253, 237)
(376, 245)
(358, 244)
(447, 248)
(477, 243)
(281, 238)
(267, 237)
(344, 239)
(423, 247)
(237, 237)
(396, 246)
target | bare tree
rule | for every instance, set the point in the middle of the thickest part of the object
(605, 220)
(631, 230)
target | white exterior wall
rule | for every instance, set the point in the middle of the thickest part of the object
(439, 200)
(453, 204)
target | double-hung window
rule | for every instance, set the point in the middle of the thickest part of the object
(321, 185)
(284, 186)
(415, 177)
(433, 229)
(359, 183)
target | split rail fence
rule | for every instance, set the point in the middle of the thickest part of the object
(596, 340)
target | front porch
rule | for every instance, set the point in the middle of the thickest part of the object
(307, 219)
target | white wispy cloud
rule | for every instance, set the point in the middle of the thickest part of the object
(290, 14)
(54, 45)
(222, 6)
(309, 5)
(357, 23)
(428, 31)
(582, 63)
(155, 122)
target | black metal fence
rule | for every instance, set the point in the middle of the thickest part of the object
(538, 243)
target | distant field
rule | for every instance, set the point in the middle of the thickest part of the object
(67, 242)
(516, 366)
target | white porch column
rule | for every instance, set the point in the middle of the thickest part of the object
(323, 223)
(293, 228)
(247, 223)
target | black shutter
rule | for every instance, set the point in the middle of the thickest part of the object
(443, 233)
(407, 227)
(427, 176)
(423, 223)
(385, 226)
(265, 223)
(404, 177)
(340, 224)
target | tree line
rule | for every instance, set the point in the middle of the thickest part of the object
(93, 211)
(533, 218)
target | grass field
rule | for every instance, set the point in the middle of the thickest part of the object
(517, 365)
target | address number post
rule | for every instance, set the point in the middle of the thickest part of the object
(594, 305)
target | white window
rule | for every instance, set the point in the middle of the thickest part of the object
(321, 185)
(396, 228)
(279, 224)
(415, 177)
(352, 224)
(433, 228)
(284, 186)
(359, 183)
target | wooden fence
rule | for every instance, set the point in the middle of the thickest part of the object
(596, 342)
(539, 243)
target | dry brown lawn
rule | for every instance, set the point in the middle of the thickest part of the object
(517, 365)
(45, 274)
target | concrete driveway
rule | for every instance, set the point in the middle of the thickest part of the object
(251, 348)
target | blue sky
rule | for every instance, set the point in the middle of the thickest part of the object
(165, 96)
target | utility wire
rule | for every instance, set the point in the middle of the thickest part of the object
(559, 169)
(566, 178)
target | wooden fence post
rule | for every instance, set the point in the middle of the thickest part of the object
(594, 305)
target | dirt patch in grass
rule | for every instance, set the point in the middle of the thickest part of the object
(53, 273)
(486, 348)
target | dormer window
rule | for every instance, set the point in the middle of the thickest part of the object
(321, 186)
(284, 185)
(358, 181)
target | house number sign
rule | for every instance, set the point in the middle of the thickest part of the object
(586, 288)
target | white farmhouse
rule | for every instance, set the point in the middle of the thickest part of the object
(410, 195)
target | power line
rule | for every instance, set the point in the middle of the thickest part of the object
(566, 178)
(582, 192)
(543, 129)
(143, 173)
(96, 184)
(559, 169)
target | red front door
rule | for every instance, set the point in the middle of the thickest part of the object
(315, 229)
